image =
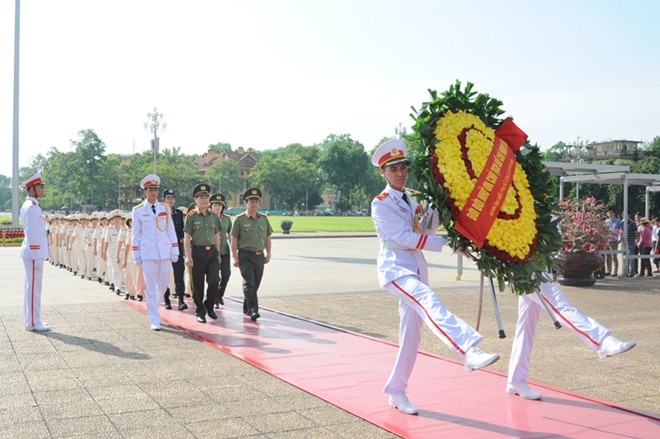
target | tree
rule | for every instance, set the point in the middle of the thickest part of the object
(225, 175)
(288, 180)
(556, 152)
(343, 163)
(5, 192)
(220, 147)
(89, 163)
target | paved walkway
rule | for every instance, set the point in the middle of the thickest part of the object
(102, 373)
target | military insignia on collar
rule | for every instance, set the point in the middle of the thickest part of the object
(382, 196)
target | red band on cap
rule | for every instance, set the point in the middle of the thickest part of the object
(393, 154)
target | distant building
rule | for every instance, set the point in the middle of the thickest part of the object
(246, 160)
(618, 152)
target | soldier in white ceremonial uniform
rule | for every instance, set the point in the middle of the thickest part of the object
(154, 244)
(598, 337)
(405, 227)
(34, 251)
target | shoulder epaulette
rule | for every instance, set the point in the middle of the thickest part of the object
(135, 207)
(191, 212)
(382, 196)
(240, 215)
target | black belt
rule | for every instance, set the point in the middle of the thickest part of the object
(256, 253)
(205, 247)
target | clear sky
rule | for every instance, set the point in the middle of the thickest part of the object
(267, 73)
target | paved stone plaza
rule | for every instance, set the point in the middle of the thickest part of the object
(102, 373)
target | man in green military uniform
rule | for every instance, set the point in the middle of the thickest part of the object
(202, 243)
(218, 205)
(250, 249)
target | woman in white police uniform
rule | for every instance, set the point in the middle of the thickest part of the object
(405, 227)
(33, 251)
(154, 245)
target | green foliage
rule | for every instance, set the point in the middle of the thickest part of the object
(225, 177)
(220, 147)
(556, 152)
(343, 162)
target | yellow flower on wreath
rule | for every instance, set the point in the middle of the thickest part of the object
(514, 230)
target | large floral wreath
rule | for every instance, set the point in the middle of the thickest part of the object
(470, 165)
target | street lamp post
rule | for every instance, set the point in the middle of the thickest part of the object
(154, 124)
(400, 130)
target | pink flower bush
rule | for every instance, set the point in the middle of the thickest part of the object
(582, 226)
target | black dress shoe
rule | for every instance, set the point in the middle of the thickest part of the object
(182, 306)
(139, 298)
(212, 314)
(221, 301)
(201, 319)
(254, 316)
(168, 306)
(128, 296)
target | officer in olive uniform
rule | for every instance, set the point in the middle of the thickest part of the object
(202, 243)
(218, 205)
(250, 249)
(178, 267)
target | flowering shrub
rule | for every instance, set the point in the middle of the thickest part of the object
(582, 225)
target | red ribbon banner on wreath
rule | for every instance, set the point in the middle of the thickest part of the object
(487, 196)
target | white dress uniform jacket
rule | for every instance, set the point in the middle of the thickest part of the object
(404, 229)
(148, 240)
(35, 242)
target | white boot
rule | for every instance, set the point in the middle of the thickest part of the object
(612, 346)
(475, 358)
(401, 403)
(523, 390)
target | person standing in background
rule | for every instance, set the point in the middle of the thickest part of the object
(615, 226)
(644, 244)
(34, 250)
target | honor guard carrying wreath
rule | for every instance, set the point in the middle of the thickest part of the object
(405, 227)
(34, 251)
(154, 245)
(202, 244)
(251, 249)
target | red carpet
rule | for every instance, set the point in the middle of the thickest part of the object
(349, 371)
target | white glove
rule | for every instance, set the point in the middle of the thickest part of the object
(174, 259)
(138, 262)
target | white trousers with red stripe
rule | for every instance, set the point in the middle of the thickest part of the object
(591, 332)
(419, 304)
(34, 271)
(156, 274)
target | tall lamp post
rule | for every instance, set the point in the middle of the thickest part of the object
(400, 130)
(154, 124)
